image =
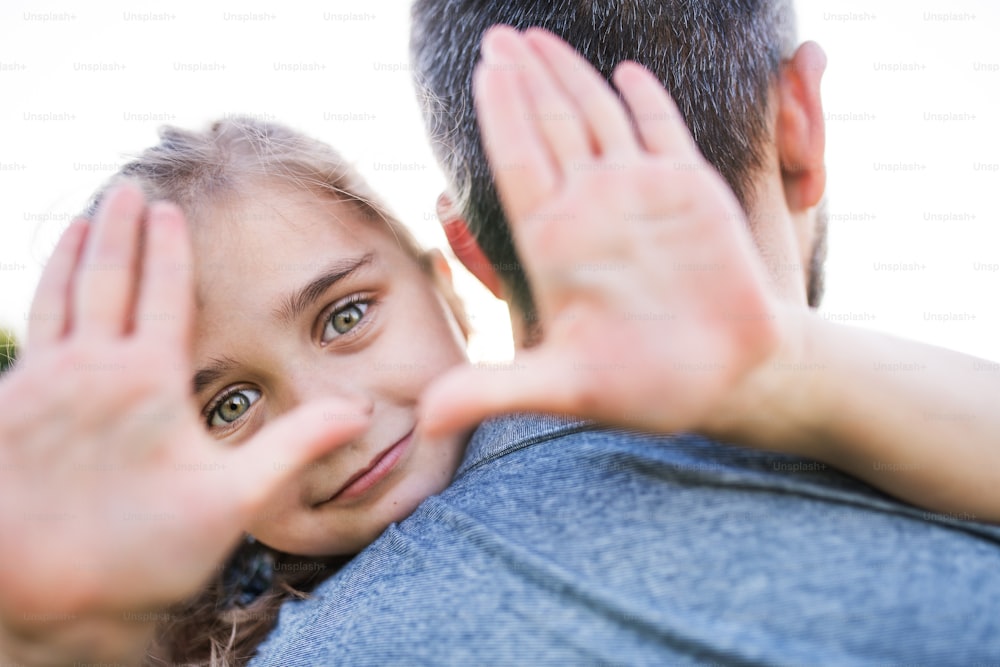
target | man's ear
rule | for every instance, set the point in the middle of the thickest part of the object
(441, 275)
(465, 247)
(800, 130)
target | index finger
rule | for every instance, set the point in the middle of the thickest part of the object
(522, 167)
(597, 102)
(657, 118)
(103, 285)
(165, 308)
(48, 318)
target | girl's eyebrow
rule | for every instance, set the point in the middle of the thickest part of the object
(294, 305)
(212, 372)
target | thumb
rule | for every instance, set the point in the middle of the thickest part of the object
(281, 450)
(535, 381)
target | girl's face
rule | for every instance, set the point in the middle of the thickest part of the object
(300, 298)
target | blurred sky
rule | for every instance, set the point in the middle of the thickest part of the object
(912, 95)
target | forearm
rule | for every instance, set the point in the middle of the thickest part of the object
(917, 421)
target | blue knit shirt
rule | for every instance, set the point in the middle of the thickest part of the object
(561, 544)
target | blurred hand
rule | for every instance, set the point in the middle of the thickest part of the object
(114, 497)
(653, 302)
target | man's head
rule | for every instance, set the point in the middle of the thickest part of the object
(722, 62)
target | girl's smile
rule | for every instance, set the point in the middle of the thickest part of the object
(363, 480)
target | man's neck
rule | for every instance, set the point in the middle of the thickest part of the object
(780, 243)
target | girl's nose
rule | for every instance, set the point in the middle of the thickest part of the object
(312, 383)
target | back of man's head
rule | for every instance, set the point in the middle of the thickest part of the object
(716, 57)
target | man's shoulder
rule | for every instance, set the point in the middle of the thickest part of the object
(529, 446)
(500, 436)
(522, 438)
(562, 542)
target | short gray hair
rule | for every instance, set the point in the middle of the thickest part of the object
(718, 58)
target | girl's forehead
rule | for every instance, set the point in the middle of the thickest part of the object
(272, 238)
(273, 222)
(243, 281)
(286, 207)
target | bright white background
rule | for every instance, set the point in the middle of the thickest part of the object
(911, 94)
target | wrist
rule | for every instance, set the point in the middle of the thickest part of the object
(774, 406)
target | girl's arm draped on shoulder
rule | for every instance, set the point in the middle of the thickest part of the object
(917, 421)
(104, 523)
(609, 202)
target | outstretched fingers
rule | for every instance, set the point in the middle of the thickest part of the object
(599, 106)
(522, 166)
(165, 306)
(103, 289)
(658, 121)
(49, 317)
(555, 116)
(655, 115)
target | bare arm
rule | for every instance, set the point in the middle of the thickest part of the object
(917, 421)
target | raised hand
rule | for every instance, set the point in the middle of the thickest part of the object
(114, 499)
(653, 302)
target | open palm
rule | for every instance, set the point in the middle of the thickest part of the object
(653, 301)
(114, 497)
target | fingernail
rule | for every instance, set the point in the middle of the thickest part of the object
(487, 48)
(492, 47)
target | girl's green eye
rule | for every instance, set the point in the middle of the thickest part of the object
(343, 320)
(233, 406)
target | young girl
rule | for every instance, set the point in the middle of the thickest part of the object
(306, 286)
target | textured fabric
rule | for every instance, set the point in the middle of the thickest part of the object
(559, 544)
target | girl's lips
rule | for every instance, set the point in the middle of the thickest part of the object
(373, 473)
